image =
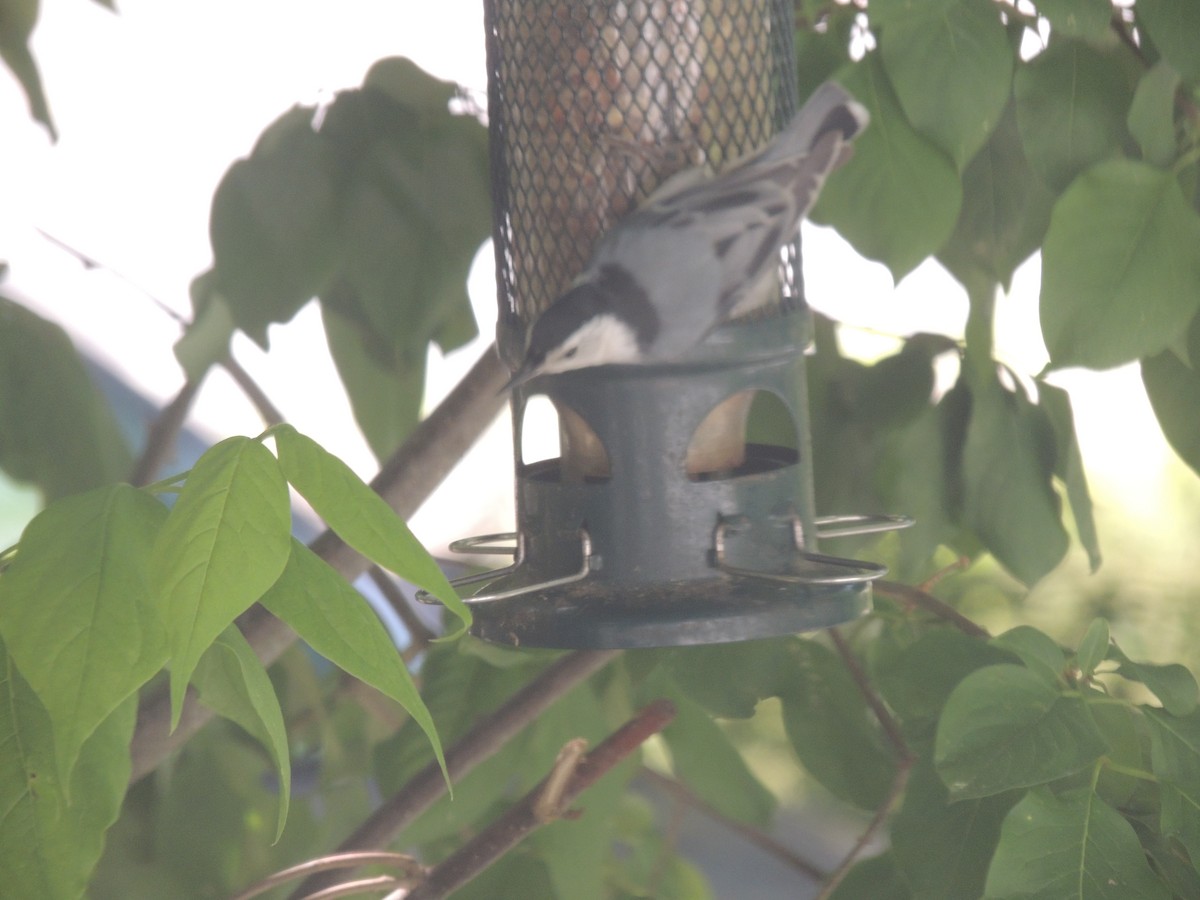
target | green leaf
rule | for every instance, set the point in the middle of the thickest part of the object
(206, 340)
(1069, 846)
(728, 680)
(1173, 26)
(831, 729)
(360, 516)
(952, 69)
(1120, 272)
(1152, 115)
(941, 848)
(274, 224)
(17, 20)
(1174, 391)
(704, 759)
(56, 428)
(78, 612)
(897, 199)
(1008, 498)
(1072, 100)
(1036, 649)
(1093, 649)
(1175, 758)
(224, 543)
(385, 397)
(917, 681)
(1005, 210)
(1068, 466)
(337, 622)
(1087, 19)
(885, 13)
(50, 846)
(1173, 684)
(1006, 727)
(233, 683)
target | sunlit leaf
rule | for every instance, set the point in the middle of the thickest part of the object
(1120, 272)
(951, 66)
(360, 516)
(233, 683)
(897, 199)
(224, 543)
(78, 611)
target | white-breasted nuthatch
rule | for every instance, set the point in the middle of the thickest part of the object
(697, 252)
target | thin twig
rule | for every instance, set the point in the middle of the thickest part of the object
(749, 833)
(160, 439)
(406, 864)
(573, 774)
(882, 713)
(899, 781)
(405, 481)
(488, 736)
(267, 411)
(915, 597)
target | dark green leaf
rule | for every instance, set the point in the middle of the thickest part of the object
(1120, 272)
(1008, 498)
(1175, 757)
(1093, 649)
(885, 13)
(1068, 466)
(897, 199)
(233, 683)
(56, 429)
(407, 83)
(704, 759)
(17, 20)
(1173, 684)
(275, 224)
(1069, 846)
(386, 397)
(1087, 19)
(1006, 727)
(877, 878)
(941, 848)
(728, 680)
(1036, 649)
(1004, 213)
(360, 516)
(337, 622)
(1152, 115)
(1173, 26)
(1171, 863)
(50, 845)
(78, 611)
(831, 728)
(952, 68)
(1124, 733)
(1174, 391)
(226, 541)
(1072, 101)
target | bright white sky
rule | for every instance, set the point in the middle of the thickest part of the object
(152, 106)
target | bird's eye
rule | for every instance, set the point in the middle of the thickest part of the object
(570, 354)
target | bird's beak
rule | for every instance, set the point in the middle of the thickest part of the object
(519, 377)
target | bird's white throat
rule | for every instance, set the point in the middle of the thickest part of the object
(604, 340)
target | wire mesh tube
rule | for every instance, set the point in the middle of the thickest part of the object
(592, 106)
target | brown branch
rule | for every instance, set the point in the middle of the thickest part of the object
(571, 775)
(882, 713)
(915, 597)
(258, 398)
(406, 864)
(749, 833)
(489, 735)
(899, 781)
(160, 439)
(405, 481)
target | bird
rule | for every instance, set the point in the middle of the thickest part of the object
(699, 251)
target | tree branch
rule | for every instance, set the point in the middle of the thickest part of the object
(915, 597)
(160, 440)
(491, 733)
(405, 481)
(572, 774)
